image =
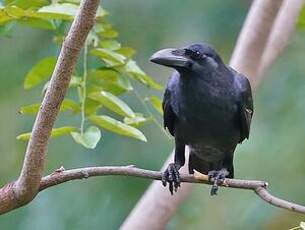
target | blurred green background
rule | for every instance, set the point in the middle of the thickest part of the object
(275, 151)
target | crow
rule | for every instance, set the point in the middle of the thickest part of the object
(207, 106)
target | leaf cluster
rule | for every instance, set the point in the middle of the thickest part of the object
(98, 87)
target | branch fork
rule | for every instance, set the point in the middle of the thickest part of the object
(26, 187)
(259, 187)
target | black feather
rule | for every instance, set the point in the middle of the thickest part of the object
(207, 106)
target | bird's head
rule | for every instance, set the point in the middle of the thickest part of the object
(195, 58)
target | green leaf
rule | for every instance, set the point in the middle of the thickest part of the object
(112, 103)
(58, 39)
(118, 127)
(25, 17)
(93, 39)
(64, 11)
(137, 73)
(109, 57)
(25, 4)
(105, 30)
(56, 132)
(29, 109)
(101, 12)
(110, 44)
(40, 72)
(76, 2)
(75, 81)
(108, 80)
(109, 33)
(37, 23)
(101, 27)
(91, 107)
(10, 13)
(4, 17)
(301, 20)
(67, 104)
(14, 11)
(157, 104)
(89, 138)
(302, 225)
(24, 137)
(126, 51)
(137, 121)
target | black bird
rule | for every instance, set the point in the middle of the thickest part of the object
(207, 106)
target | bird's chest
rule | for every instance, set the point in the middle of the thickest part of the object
(201, 102)
(207, 112)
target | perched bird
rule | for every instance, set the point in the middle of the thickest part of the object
(207, 106)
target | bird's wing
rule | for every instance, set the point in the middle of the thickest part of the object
(169, 103)
(168, 113)
(245, 105)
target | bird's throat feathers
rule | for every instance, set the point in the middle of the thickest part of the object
(210, 75)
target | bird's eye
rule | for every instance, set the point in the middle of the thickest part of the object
(196, 55)
(193, 54)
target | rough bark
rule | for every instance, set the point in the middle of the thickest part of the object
(260, 187)
(254, 49)
(23, 190)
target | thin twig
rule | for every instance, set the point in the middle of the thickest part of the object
(22, 191)
(296, 228)
(245, 59)
(154, 119)
(84, 88)
(259, 187)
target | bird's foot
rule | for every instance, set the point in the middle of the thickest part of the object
(172, 177)
(217, 178)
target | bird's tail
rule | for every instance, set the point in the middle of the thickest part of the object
(205, 166)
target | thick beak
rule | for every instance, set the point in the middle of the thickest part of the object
(169, 57)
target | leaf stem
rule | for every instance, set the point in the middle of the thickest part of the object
(84, 87)
(296, 228)
(150, 114)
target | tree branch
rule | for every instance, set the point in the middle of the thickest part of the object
(23, 190)
(253, 37)
(157, 197)
(278, 40)
(245, 59)
(259, 187)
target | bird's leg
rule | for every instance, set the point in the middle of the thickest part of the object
(217, 177)
(172, 177)
(171, 174)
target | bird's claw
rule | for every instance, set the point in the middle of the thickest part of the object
(217, 178)
(172, 177)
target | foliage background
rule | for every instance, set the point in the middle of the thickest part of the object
(275, 151)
